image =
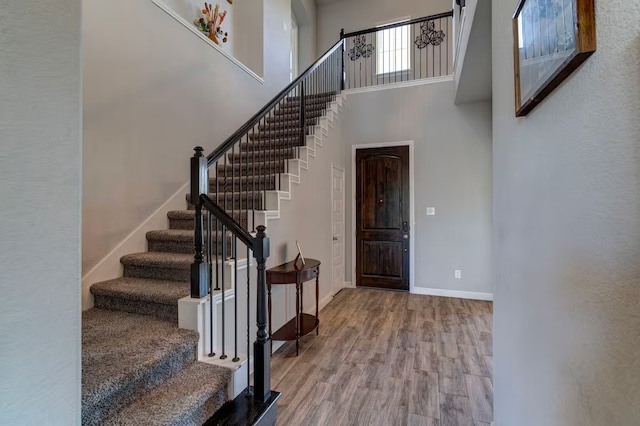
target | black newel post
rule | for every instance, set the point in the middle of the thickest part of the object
(199, 185)
(342, 60)
(262, 346)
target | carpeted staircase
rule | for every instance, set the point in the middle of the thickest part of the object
(138, 367)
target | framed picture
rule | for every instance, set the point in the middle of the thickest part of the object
(551, 39)
(299, 256)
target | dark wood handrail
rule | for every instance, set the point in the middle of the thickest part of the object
(226, 220)
(227, 144)
(400, 24)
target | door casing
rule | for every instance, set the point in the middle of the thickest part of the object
(344, 219)
(412, 218)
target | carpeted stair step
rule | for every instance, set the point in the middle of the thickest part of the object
(244, 169)
(286, 121)
(277, 133)
(186, 219)
(245, 183)
(310, 111)
(264, 155)
(279, 123)
(124, 356)
(235, 200)
(158, 266)
(188, 398)
(295, 115)
(141, 296)
(287, 142)
(177, 241)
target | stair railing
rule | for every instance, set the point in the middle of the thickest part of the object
(230, 187)
(399, 52)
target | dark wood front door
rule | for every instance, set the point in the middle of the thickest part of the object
(382, 217)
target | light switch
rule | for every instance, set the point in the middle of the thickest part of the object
(431, 211)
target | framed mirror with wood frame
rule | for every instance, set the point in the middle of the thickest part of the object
(551, 39)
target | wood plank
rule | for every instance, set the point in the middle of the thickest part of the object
(480, 397)
(424, 398)
(384, 358)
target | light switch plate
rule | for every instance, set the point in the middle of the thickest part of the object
(431, 211)
(457, 274)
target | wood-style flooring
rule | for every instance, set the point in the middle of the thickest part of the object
(390, 358)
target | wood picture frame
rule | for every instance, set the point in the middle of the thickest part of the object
(551, 38)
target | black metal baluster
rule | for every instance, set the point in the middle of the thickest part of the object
(235, 299)
(210, 260)
(302, 116)
(217, 228)
(249, 390)
(223, 267)
(342, 53)
(253, 177)
(448, 44)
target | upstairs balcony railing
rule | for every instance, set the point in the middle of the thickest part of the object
(403, 51)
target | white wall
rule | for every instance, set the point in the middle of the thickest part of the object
(452, 173)
(306, 13)
(354, 15)
(567, 235)
(152, 91)
(307, 219)
(40, 161)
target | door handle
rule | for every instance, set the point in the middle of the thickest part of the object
(335, 238)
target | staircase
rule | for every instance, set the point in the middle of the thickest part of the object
(138, 366)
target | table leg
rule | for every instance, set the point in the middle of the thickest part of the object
(297, 318)
(317, 297)
(269, 301)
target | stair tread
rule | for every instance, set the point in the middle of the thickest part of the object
(180, 400)
(178, 235)
(143, 290)
(121, 353)
(158, 259)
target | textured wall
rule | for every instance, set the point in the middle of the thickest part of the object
(567, 235)
(152, 91)
(354, 15)
(40, 162)
(452, 173)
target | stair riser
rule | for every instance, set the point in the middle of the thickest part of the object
(158, 310)
(237, 205)
(280, 123)
(256, 156)
(249, 170)
(295, 115)
(288, 133)
(248, 185)
(94, 413)
(190, 224)
(158, 273)
(258, 146)
(186, 247)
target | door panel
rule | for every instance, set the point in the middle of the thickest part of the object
(337, 214)
(382, 217)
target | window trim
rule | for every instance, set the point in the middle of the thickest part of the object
(409, 69)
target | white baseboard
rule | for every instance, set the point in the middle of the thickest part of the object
(109, 267)
(452, 293)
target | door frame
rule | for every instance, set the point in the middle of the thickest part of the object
(412, 217)
(344, 224)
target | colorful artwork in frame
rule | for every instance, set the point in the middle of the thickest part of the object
(210, 23)
(551, 39)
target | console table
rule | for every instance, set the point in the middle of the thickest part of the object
(295, 273)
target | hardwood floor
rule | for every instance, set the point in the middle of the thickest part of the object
(390, 358)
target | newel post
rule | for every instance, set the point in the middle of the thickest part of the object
(262, 346)
(199, 185)
(342, 59)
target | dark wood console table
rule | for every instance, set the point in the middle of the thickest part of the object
(295, 273)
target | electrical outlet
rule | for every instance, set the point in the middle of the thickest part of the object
(457, 274)
(431, 211)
